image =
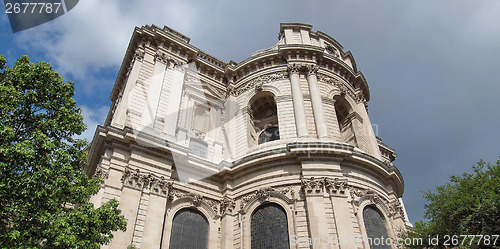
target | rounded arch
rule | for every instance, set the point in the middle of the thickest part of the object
(253, 205)
(269, 227)
(375, 206)
(190, 229)
(188, 203)
(345, 114)
(263, 118)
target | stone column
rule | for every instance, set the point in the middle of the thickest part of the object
(298, 101)
(315, 206)
(317, 105)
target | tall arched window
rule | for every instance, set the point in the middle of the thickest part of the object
(189, 230)
(263, 123)
(376, 228)
(344, 119)
(269, 227)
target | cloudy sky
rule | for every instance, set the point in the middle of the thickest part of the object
(431, 65)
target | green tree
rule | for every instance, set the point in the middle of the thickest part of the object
(468, 205)
(44, 192)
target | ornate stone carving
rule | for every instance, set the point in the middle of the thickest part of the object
(263, 194)
(226, 205)
(167, 60)
(360, 97)
(260, 81)
(337, 83)
(195, 199)
(200, 135)
(396, 209)
(161, 57)
(336, 186)
(294, 68)
(100, 172)
(138, 180)
(312, 186)
(312, 69)
(138, 55)
(356, 193)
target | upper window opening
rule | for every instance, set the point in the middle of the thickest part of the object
(343, 109)
(263, 125)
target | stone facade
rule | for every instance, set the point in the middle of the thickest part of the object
(287, 127)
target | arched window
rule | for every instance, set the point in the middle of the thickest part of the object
(376, 228)
(263, 123)
(344, 119)
(189, 230)
(269, 227)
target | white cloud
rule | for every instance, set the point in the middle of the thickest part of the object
(95, 34)
(92, 117)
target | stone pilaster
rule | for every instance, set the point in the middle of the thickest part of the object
(338, 191)
(313, 190)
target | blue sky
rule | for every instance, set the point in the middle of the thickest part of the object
(431, 65)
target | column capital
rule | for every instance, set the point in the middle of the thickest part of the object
(294, 68)
(312, 69)
(312, 186)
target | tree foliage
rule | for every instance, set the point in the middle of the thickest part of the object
(44, 191)
(468, 205)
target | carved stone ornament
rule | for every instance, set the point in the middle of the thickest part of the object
(263, 194)
(167, 60)
(161, 57)
(226, 205)
(259, 82)
(195, 199)
(360, 97)
(335, 82)
(336, 186)
(312, 69)
(138, 55)
(396, 209)
(200, 135)
(312, 186)
(294, 68)
(100, 172)
(140, 181)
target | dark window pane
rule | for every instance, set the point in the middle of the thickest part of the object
(376, 228)
(269, 228)
(269, 134)
(189, 230)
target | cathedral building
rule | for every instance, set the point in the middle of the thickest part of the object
(276, 151)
